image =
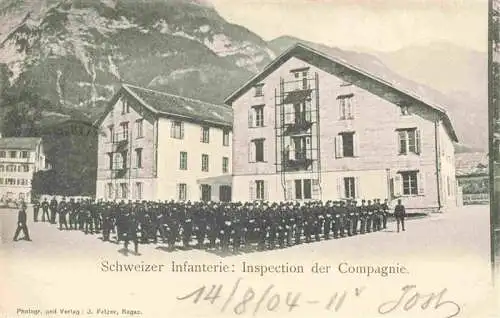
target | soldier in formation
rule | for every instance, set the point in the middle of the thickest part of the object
(225, 226)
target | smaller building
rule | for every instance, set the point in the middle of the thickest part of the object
(20, 158)
(472, 174)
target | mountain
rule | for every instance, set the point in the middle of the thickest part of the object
(76, 53)
(452, 75)
(73, 55)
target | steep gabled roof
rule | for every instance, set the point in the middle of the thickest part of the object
(179, 106)
(28, 143)
(170, 105)
(374, 72)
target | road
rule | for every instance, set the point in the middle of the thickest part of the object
(63, 270)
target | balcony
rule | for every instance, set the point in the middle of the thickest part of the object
(119, 173)
(120, 141)
(296, 160)
(300, 125)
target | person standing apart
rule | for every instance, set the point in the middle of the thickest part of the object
(21, 224)
(400, 213)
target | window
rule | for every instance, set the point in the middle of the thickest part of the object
(259, 150)
(177, 130)
(409, 141)
(111, 133)
(1, 180)
(259, 90)
(119, 160)
(350, 187)
(10, 181)
(204, 162)
(110, 160)
(110, 190)
(225, 137)
(2, 168)
(182, 191)
(303, 189)
(405, 110)
(206, 192)
(2, 154)
(26, 168)
(24, 154)
(138, 158)
(225, 164)
(138, 128)
(125, 107)
(256, 116)
(124, 189)
(183, 160)
(138, 190)
(124, 133)
(260, 190)
(346, 110)
(410, 183)
(13, 154)
(347, 144)
(205, 135)
(11, 168)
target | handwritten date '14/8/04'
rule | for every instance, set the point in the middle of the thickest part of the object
(241, 300)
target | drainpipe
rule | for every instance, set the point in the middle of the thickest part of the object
(438, 160)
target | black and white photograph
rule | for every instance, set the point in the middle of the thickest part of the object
(249, 158)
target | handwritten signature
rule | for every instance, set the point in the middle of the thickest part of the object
(241, 300)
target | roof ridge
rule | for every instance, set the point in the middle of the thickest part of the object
(175, 95)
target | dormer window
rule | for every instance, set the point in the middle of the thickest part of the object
(125, 107)
(259, 90)
(405, 110)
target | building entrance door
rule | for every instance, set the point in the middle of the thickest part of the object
(225, 193)
(206, 192)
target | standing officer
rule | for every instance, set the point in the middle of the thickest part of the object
(385, 209)
(45, 210)
(36, 209)
(400, 213)
(53, 210)
(21, 224)
(63, 210)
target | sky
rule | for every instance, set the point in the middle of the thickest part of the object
(380, 25)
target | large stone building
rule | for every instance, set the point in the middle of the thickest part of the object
(312, 126)
(20, 158)
(158, 146)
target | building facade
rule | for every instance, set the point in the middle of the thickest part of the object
(20, 158)
(158, 146)
(311, 126)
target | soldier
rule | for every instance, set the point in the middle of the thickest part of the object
(355, 211)
(130, 231)
(36, 209)
(363, 215)
(45, 210)
(400, 213)
(107, 224)
(63, 210)
(378, 215)
(299, 223)
(21, 224)
(369, 218)
(187, 227)
(385, 210)
(328, 221)
(73, 214)
(53, 210)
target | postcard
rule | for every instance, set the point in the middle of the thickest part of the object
(250, 158)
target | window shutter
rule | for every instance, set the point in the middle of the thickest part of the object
(289, 190)
(251, 152)
(292, 150)
(288, 116)
(341, 113)
(418, 141)
(250, 118)
(421, 183)
(315, 189)
(251, 187)
(357, 188)
(340, 187)
(353, 103)
(398, 185)
(266, 190)
(178, 191)
(339, 147)
(182, 130)
(265, 150)
(356, 144)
